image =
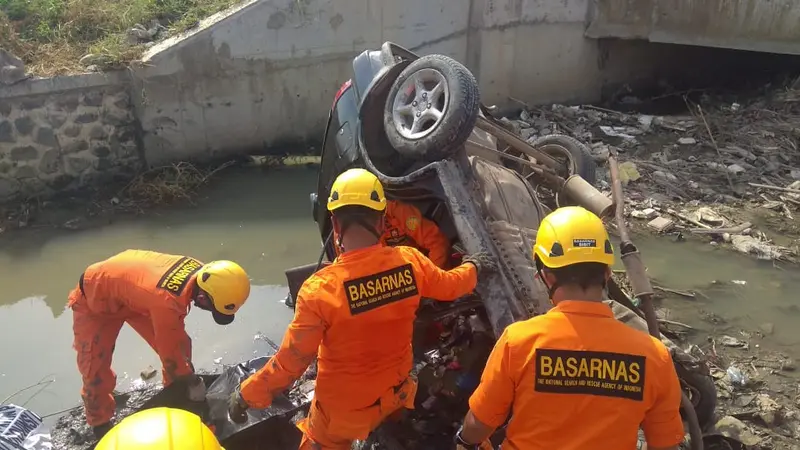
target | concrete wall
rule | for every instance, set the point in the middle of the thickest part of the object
(64, 132)
(265, 73)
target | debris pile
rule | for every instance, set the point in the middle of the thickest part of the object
(714, 171)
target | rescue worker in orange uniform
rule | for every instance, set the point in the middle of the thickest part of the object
(575, 377)
(357, 316)
(406, 226)
(152, 293)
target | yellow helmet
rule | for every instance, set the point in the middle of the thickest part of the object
(160, 429)
(228, 285)
(572, 235)
(357, 187)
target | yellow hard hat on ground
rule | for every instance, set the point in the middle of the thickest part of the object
(160, 429)
(572, 235)
(357, 187)
(228, 285)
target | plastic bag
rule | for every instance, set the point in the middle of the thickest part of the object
(21, 429)
(220, 392)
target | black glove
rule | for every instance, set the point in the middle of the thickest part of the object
(237, 408)
(482, 261)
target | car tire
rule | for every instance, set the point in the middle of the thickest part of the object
(431, 109)
(703, 395)
(577, 155)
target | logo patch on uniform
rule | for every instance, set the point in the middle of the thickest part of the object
(178, 275)
(412, 223)
(584, 243)
(590, 373)
(373, 291)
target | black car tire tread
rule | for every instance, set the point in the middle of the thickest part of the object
(705, 406)
(583, 163)
(458, 121)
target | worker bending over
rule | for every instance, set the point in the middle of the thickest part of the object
(575, 377)
(406, 226)
(357, 316)
(152, 293)
(160, 429)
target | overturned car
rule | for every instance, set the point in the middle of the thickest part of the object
(417, 123)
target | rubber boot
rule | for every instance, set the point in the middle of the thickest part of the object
(101, 430)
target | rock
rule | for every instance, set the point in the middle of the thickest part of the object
(9, 187)
(735, 169)
(24, 125)
(77, 164)
(12, 69)
(101, 152)
(97, 133)
(795, 174)
(25, 172)
(661, 224)
(93, 98)
(50, 162)
(72, 131)
(687, 141)
(56, 119)
(6, 133)
(647, 214)
(45, 136)
(734, 428)
(86, 118)
(24, 153)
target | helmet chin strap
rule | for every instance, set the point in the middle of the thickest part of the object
(550, 289)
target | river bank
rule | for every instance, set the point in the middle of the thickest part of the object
(724, 167)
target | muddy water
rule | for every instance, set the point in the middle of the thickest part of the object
(264, 222)
(261, 221)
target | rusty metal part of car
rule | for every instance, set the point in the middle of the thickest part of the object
(575, 187)
(584, 194)
(640, 284)
(488, 125)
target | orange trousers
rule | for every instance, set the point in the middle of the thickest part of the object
(336, 427)
(95, 337)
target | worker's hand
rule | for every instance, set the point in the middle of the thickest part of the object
(482, 261)
(237, 408)
(196, 389)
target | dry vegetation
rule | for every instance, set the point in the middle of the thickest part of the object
(52, 35)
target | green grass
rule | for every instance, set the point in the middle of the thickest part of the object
(52, 35)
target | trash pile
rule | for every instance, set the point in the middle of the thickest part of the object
(757, 390)
(714, 171)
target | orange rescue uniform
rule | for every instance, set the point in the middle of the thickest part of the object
(406, 226)
(357, 316)
(576, 378)
(149, 291)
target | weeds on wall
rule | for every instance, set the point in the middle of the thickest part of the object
(52, 35)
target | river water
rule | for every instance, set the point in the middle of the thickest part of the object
(263, 221)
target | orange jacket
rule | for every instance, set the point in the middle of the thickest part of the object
(577, 378)
(406, 226)
(357, 315)
(144, 283)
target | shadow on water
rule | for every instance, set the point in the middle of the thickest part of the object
(261, 220)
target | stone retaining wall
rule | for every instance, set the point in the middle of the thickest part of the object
(65, 132)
